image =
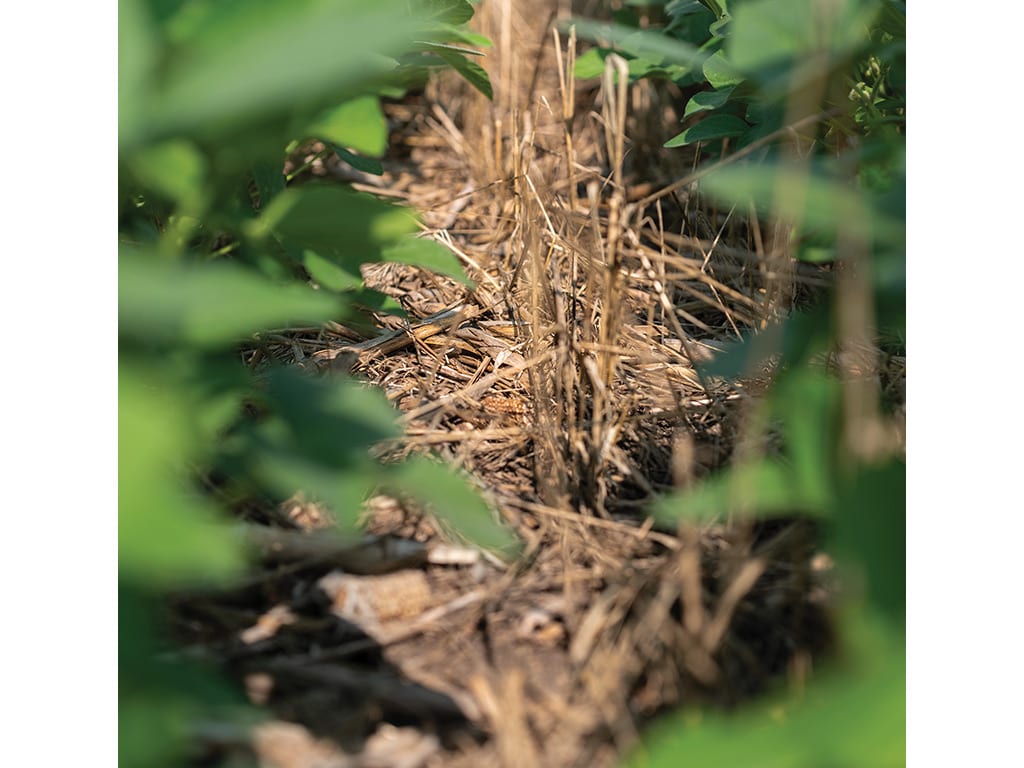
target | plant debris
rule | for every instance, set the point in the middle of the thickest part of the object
(566, 383)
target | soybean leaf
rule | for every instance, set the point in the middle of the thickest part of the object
(708, 129)
(758, 489)
(640, 43)
(330, 217)
(425, 253)
(357, 123)
(453, 500)
(823, 204)
(175, 169)
(330, 420)
(806, 402)
(793, 340)
(167, 534)
(438, 47)
(269, 181)
(766, 32)
(707, 100)
(447, 11)
(473, 72)
(245, 61)
(207, 305)
(138, 52)
(867, 695)
(446, 31)
(720, 72)
(871, 529)
(330, 274)
(283, 472)
(364, 164)
(591, 63)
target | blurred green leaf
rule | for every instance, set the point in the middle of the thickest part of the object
(445, 31)
(356, 124)
(453, 500)
(448, 48)
(329, 217)
(137, 53)
(713, 127)
(166, 532)
(251, 57)
(758, 489)
(793, 340)
(644, 44)
(282, 472)
(330, 420)
(806, 401)
(851, 716)
(269, 180)
(823, 204)
(871, 529)
(207, 305)
(473, 72)
(159, 701)
(765, 32)
(447, 11)
(591, 63)
(175, 169)
(421, 252)
(330, 274)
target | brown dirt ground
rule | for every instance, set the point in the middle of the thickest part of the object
(565, 384)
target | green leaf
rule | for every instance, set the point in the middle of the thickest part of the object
(766, 32)
(175, 169)
(473, 72)
(137, 55)
(207, 305)
(591, 63)
(748, 491)
(330, 274)
(330, 217)
(824, 204)
(720, 72)
(269, 180)
(454, 501)
(708, 129)
(718, 7)
(330, 420)
(284, 473)
(167, 534)
(638, 43)
(447, 11)
(429, 254)
(240, 64)
(871, 529)
(793, 340)
(364, 164)
(807, 403)
(444, 31)
(357, 124)
(853, 714)
(438, 47)
(707, 100)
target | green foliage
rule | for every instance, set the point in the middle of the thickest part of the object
(836, 69)
(850, 720)
(216, 246)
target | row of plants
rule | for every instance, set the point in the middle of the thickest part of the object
(801, 105)
(216, 246)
